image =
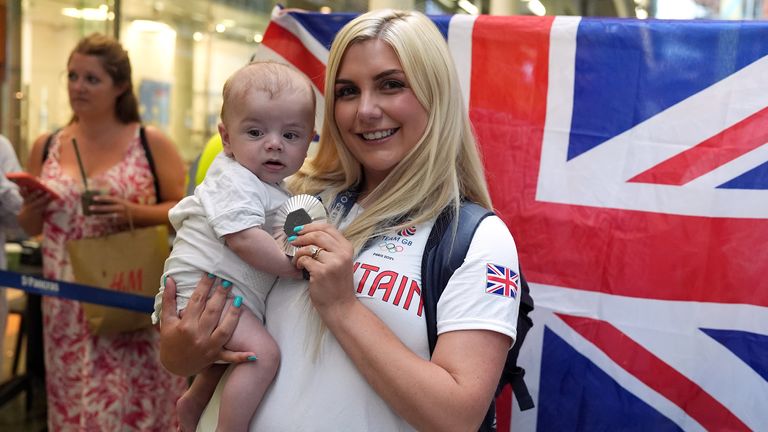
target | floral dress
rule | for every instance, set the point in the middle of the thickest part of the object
(99, 383)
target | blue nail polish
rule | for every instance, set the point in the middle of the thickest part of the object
(298, 228)
(211, 275)
(165, 277)
(292, 238)
(238, 302)
(226, 284)
(252, 358)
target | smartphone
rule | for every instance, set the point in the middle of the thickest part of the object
(31, 183)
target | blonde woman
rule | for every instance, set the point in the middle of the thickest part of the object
(398, 143)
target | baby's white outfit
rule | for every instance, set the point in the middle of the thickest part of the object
(229, 200)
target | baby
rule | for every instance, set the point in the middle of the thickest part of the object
(267, 124)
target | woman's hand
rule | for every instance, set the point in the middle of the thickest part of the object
(196, 340)
(122, 213)
(31, 215)
(117, 210)
(327, 255)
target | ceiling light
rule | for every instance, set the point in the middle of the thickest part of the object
(149, 26)
(89, 14)
(197, 36)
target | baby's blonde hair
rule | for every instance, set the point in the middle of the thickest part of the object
(267, 76)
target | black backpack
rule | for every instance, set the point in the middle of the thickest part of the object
(443, 254)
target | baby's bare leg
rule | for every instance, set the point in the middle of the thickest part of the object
(248, 381)
(191, 404)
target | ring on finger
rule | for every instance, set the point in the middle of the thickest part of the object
(316, 252)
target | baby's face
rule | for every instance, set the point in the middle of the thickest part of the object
(269, 136)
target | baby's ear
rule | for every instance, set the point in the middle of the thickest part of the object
(225, 139)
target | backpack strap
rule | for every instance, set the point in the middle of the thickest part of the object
(512, 373)
(443, 254)
(47, 145)
(151, 161)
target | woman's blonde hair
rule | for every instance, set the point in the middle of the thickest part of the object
(443, 168)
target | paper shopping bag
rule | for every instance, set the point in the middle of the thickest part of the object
(129, 261)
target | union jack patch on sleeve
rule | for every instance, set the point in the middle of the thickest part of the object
(501, 281)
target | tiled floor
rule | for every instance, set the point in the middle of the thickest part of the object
(15, 415)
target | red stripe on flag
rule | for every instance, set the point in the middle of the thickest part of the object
(508, 102)
(656, 374)
(746, 135)
(505, 86)
(644, 254)
(287, 45)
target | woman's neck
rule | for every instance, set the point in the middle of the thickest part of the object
(93, 127)
(370, 182)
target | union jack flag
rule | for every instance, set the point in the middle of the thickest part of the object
(501, 281)
(638, 201)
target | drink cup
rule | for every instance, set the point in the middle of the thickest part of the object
(87, 200)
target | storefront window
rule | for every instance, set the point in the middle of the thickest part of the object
(181, 53)
(49, 30)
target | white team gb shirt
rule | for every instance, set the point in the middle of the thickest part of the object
(325, 392)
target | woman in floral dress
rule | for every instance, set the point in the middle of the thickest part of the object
(116, 382)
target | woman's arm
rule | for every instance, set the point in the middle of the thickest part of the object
(170, 172)
(196, 340)
(31, 215)
(450, 392)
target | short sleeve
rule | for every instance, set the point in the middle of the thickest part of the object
(484, 293)
(233, 199)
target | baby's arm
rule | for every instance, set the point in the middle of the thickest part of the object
(256, 247)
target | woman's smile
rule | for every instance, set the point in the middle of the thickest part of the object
(378, 135)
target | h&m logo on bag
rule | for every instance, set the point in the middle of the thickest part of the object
(130, 280)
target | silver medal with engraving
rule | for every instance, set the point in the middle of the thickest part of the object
(298, 210)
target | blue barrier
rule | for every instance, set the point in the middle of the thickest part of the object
(73, 291)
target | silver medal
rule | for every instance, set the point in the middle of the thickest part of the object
(298, 210)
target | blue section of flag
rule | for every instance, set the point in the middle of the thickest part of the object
(323, 27)
(576, 395)
(752, 348)
(442, 22)
(644, 67)
(756, 178)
